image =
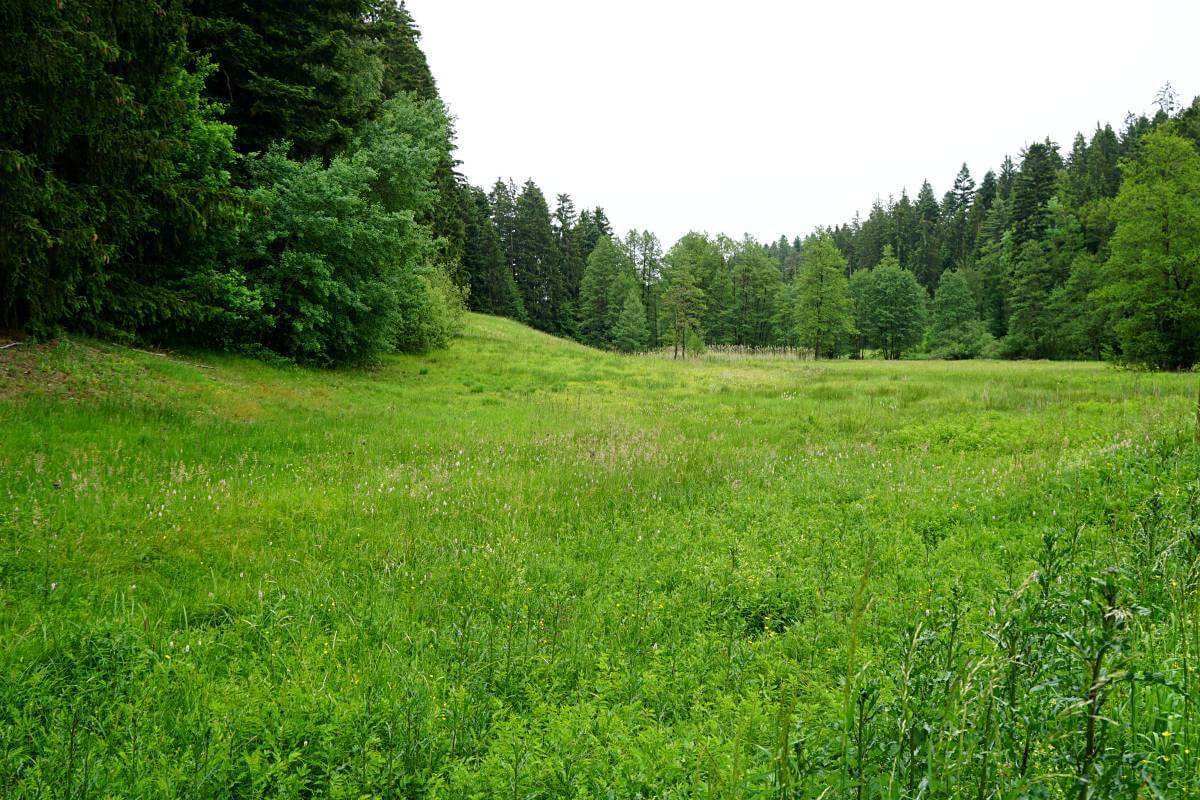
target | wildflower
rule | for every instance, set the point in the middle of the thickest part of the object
(1166, 733)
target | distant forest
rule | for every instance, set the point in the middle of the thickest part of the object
(279, 178)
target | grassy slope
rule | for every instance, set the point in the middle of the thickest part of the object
(515, 564)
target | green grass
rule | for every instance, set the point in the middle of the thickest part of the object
(523, 568)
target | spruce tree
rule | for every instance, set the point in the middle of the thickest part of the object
(493, 290)
(630, 333)
(607, 279)
(535, 259)
(927, 260)
(1035, 184)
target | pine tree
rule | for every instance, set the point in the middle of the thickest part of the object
(630, 333)
(824, 314)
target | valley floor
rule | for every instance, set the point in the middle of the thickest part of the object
(523, 568)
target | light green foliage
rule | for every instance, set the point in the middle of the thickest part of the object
(344, 269)
(889, 306)
(756, 287)
(956, 331)
(630, 333)
(520, 565)
(1155, 265)
(683, 305)
(824, 314)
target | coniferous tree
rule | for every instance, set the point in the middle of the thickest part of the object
(303, 73)
(607, 279)
(113, 175)
(535, 260)
(1008, 177)
(493, 290)
(630, 334)
(1035, 184)
(927, 261)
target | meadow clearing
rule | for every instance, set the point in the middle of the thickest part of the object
(523, 568)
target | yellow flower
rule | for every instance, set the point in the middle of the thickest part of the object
(1166, 733)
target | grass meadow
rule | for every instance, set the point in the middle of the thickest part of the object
(521, 568)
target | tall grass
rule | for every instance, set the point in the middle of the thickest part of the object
(522, 568)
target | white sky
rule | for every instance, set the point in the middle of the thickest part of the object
(774, 117)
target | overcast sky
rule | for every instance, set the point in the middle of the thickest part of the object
(774, 117)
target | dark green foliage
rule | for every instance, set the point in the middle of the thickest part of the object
(534, 256)
(926, 259)
(956, 331)
(493, 290)
(1034, 186)
(301, 72)
(112, 170)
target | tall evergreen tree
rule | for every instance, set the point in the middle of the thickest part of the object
(607, 279)
(927, 261)
(303, 73)
(493, 290)
(1035, 184)
(535, 259)
(114, 178)
(630, 333)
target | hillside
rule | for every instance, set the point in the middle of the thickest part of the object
(521, 566)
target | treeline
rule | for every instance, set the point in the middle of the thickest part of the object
(280, 177)
(1095, 254)
(263, 176)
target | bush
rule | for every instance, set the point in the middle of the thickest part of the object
(336, 253)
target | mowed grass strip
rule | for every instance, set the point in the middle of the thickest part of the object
(521, 567)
